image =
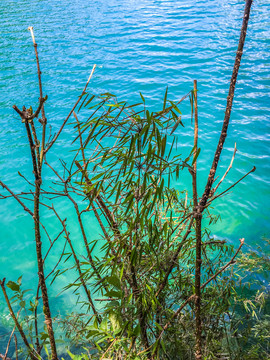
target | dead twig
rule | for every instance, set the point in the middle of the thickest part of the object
(71, 111)
(226, 173)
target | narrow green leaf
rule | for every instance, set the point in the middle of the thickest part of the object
(195, 157)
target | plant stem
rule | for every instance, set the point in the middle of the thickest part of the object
(230, 96)
(2, 284)
(198, 221)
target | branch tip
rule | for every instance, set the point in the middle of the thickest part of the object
(31, 29)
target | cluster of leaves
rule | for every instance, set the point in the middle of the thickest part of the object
(145, 268)
(250, 320)
(140, 270)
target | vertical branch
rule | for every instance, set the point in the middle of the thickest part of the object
(26, 118)
(230, 97)
(198, 222)
(16, 347)
(32, 149)
(199, 208)
(44, 120)
(36, 145)
(133, 278)
(42, 282)
(196, 129)
(38, 347)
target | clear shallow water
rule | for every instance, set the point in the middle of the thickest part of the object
(141, 45)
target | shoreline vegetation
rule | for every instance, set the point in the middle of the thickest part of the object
(161, 286)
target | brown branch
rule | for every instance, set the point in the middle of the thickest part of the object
(65, 182)
(42, 282)
(26, 115)
(242, 241)
(16, 198)
(12, 332)
(71, 111)
(198, 222)
(37, 162)
(36, 217)
(229, 188)
(36, 145)
(230, 97)
(174, 258)
(177, 312)
(52, 243)
(4, 357)
(60, 258)
(16, 347)
(38, 347)
(44, 120)
(77, 262)
(214, 242)
(16, 322)
(226, 172)
(32, 149)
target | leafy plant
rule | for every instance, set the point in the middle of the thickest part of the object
(159, 286)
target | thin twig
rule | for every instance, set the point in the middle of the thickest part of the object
(5, 356)
(229, 188)
(16, 347)
(226, 173)
(16, 198)
(71, 111)
(78, 266)
(2, 284)
(174, 258)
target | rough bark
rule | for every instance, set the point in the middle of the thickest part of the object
(230, 97)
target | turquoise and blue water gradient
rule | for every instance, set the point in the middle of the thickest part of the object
(141, 45)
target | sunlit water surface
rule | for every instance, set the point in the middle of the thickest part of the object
(141, 45)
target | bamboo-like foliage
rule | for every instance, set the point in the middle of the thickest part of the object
(155, 284)
(129, 178)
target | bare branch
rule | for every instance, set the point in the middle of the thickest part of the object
(25, 115)
(229, 188)
(71, 111)
(78, 266)
(16, 198)
(5, 356)
(230, 97)
(226, 173)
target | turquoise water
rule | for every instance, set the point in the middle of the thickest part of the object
(141, 45)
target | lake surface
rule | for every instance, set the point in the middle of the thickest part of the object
(141, 45)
